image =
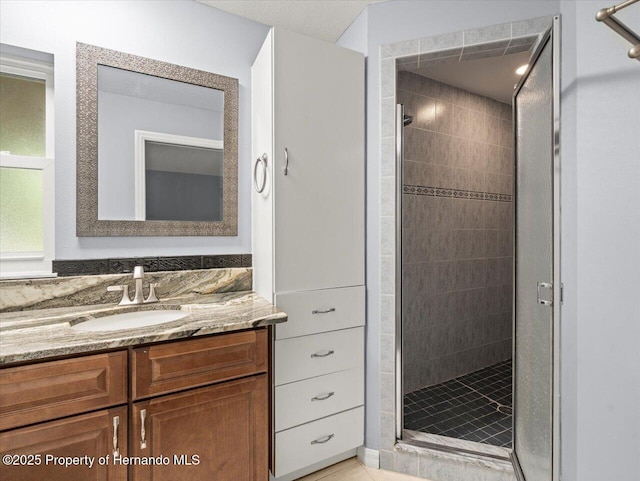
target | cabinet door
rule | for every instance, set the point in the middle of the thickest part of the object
(319, 203)
(214, 433)
(85, 437)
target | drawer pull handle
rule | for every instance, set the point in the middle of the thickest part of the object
(323, 440)
(116, 423)
(143, 433)
(322, 397)
(328, 353)
(323, 311)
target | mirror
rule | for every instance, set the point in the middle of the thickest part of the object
(157, 147)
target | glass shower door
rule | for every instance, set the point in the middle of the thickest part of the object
(535, 111)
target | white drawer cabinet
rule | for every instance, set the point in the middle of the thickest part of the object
(308, 244)
(324, 310)
(309, 356)
(300, 402)
(310, 443)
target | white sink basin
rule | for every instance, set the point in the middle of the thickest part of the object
(129, 320)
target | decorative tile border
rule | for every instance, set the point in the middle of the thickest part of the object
(455, 193)
(86, 267)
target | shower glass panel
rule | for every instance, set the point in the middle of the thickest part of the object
(534, 269)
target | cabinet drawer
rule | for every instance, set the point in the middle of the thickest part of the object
(309, 356)
(165, 368)
(312, 312)
(49, 390)
(310, 443)
(303, 401)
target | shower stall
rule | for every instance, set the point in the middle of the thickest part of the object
(471, 352)
(457, 257)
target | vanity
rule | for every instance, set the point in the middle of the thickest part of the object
(182, 399)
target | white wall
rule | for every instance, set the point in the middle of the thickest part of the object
(607, 160)
(181, 32)
(390, 22)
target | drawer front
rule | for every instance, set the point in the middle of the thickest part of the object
(311, 443)
(325, 310)
(50, 390)
(310, 356)
(303, 401)
(170, 367)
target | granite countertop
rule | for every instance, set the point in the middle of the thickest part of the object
(42, 333)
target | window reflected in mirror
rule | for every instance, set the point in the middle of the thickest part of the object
(160, 148)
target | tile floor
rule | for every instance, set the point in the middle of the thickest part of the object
(474, 407)
(352, 470)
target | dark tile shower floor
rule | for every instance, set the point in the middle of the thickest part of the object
(474, 407)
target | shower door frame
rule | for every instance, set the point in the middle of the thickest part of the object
(554, 30)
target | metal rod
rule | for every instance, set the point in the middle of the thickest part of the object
(399, 391)
(606, 16)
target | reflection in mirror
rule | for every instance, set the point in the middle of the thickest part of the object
(160, 148)
(188, 189)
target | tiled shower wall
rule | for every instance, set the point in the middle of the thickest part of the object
(457, 231)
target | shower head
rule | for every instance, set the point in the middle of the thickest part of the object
(407, 119)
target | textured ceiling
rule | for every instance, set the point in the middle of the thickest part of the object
(323, 19)
(492, 77)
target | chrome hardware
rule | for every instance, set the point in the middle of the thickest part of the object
(322, 397)
(325, 311)
(545, 285)
(152, 293)
(262, 160)
(143, 433)
(323, 440)
(606, 16)
(138, 277)
(326, 354)
(286, 161)
(138, 298)
(125, 294)
(116, 423)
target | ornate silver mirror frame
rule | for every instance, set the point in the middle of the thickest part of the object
(88, 57)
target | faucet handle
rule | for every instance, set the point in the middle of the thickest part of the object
(138, 272)
(152, 293)
(125, 293)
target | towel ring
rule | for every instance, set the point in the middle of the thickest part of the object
(262, 160)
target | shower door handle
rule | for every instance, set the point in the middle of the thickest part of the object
(549, 288)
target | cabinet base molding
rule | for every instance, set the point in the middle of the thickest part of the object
(369, 457)
(316, 467)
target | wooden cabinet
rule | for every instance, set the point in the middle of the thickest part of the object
(219, 432)
(308, 240)
(84, 437)
(200, 406)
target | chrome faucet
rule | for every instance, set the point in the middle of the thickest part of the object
(138, 297)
